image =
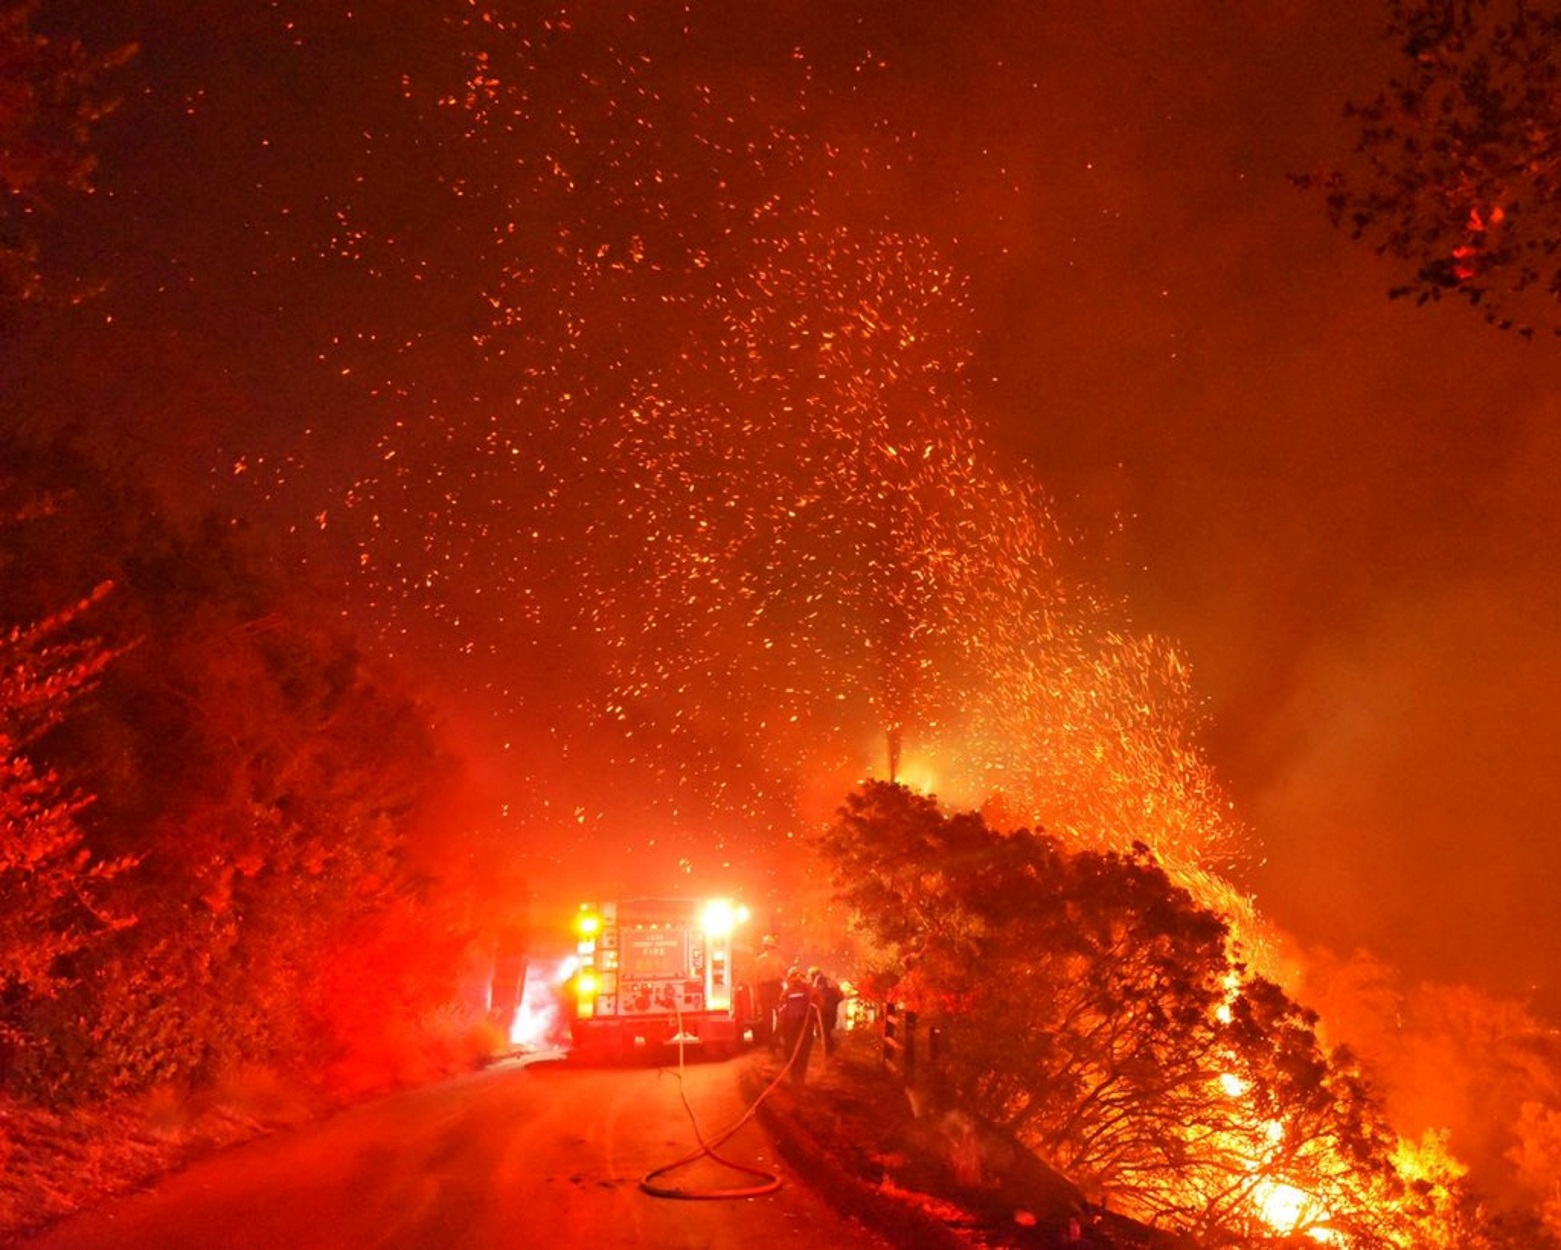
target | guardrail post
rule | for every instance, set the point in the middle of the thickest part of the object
(899, 1040)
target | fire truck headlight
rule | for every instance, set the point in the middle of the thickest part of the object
(586, 986)
(721, 917)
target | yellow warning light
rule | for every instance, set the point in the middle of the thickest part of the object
(587, 923)
(585, 994)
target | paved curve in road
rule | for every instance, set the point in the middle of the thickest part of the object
(545, 1154)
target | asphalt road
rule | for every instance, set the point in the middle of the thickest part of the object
(542, 1154)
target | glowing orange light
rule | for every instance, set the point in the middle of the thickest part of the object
(539, 1021)
(1285, 1208)
(721, 916)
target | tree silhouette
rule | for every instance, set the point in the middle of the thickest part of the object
(1457, 167)
(51, 95)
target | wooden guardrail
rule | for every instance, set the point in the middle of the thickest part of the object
(910, 1047)
(899, 1040)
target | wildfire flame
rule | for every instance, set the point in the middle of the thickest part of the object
(1286, 1209)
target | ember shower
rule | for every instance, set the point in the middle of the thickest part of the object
(716, 470)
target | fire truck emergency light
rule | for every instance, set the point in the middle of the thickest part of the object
(721, 917)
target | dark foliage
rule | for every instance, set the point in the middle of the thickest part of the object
(51, 95)
(1458, 169)
(268, 780)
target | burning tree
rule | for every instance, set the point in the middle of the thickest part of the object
(1091, 1008)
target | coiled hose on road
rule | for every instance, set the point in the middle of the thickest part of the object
(706, 1149)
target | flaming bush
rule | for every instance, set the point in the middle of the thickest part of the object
(1091, 1008)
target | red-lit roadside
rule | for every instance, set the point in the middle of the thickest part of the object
(503, 1158)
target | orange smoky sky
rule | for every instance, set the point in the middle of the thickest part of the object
(1342, 508)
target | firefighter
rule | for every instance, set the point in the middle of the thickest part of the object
(769, 979)
(796, 1019)
(829, 997)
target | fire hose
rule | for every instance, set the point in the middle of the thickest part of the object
(706, 1149)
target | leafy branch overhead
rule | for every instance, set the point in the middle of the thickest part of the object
(51, 95)
(1457, 166)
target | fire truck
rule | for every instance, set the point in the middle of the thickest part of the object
(656, 971)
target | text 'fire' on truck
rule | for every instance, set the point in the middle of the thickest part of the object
(659, 971)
